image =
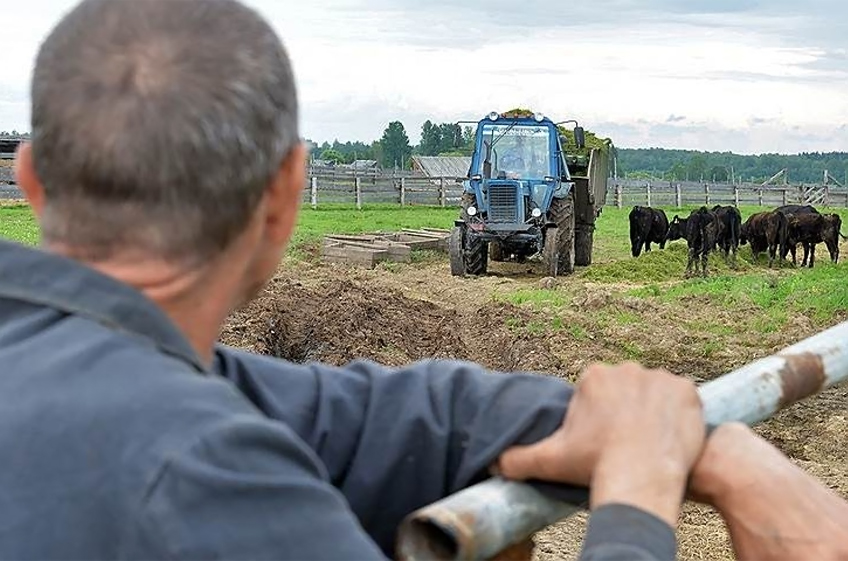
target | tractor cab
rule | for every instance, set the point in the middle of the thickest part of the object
(518, 167)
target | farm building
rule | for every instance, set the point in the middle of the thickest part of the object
(442, 166)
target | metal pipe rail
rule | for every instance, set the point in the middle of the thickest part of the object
(487, 519)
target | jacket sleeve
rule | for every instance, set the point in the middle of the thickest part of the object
(395, 440)
(619, 532)
(246, 488)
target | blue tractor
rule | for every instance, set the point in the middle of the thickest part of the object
(525, 197)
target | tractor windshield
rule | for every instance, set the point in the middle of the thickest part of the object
(516, 151)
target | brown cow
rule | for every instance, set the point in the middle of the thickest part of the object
(810, 230)
(766, 231)
(701, 230)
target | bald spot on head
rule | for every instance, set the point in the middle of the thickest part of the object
(158, 124)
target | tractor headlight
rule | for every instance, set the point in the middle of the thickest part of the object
(493, 116)
(539, 117)
(472, 211)
(536, 212)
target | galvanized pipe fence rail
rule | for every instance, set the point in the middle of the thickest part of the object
(496, 516)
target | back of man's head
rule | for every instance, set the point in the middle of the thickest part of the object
(157, 125)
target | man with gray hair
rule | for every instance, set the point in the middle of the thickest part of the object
(165, 170)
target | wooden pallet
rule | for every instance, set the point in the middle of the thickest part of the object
(368, 250)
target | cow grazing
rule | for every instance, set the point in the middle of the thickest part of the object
(798, 209)
(810, 230)
(701, 231)
(647, 225)
(731, 222)
(766, 231)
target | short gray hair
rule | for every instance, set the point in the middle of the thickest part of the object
(158, 124)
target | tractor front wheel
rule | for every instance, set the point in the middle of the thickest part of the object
(496, 252)
(455, 244)
(475, 255)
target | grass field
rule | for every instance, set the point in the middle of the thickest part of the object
(656, 276)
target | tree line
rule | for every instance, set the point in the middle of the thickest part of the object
(692, 165)
(394, 149)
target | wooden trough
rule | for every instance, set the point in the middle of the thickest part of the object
(367, 250)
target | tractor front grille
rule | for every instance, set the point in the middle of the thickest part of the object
(503, 203)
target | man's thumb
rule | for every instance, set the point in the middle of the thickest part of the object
(533, 461)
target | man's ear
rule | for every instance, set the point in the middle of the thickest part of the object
(27, 178)
(284, 196)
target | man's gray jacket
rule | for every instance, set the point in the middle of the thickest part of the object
(117, 443)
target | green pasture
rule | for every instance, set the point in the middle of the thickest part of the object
(658, 275)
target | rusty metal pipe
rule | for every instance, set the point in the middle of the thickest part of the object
(486, 519)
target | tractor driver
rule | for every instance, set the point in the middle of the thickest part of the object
(513, 163)
(128, 432)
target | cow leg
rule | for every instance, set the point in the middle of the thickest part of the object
(812, 254)
(690, 262)
(705, 256)
(806, 254)
(648, 246)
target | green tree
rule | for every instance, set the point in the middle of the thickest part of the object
(430, 139)
(331, 155)
(396, 150)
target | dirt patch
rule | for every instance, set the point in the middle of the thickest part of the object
(335, 314)
(341, 319)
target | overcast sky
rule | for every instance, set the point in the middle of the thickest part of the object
(749, 76)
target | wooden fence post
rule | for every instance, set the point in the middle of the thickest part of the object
(442, 194)
(314, 194)
(707, 193)
(402, 191)
(648, 191)
(785, 198)
(678, 196)
(617, 195)
(358, 188)
(761, 196)
(736, 195)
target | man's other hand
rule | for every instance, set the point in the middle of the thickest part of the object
(631, 434)
(773, 509)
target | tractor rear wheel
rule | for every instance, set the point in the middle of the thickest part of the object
(467, 200)
(561, 213)
(550, 251)
(455, 244)
(583, 239)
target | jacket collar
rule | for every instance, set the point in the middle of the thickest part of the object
(36, 276)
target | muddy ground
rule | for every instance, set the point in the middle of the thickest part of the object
(400, 313)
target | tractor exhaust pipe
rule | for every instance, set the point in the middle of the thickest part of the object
(496, 516)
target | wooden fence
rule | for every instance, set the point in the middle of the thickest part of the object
(628, 193)
(403, 190)
(406, 188)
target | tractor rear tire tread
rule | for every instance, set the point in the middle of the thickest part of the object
(561, 213)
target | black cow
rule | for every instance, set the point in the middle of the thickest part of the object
(798, 209)
(812, 229)
(766, 231)
(647, 225)
(701, 231)
(731, 222)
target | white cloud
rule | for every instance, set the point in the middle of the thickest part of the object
(748, 78)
